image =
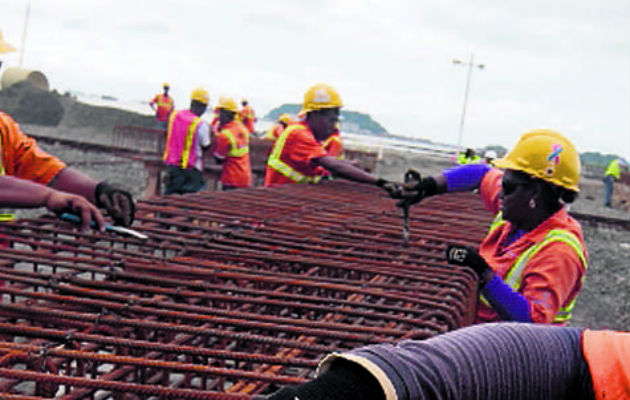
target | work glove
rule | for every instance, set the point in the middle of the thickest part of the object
(416, 188)
(117, 202)
(467, 256)
(395, 190)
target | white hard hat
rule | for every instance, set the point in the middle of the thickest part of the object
(490, 154)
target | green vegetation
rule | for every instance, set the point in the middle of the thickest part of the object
(351, 120)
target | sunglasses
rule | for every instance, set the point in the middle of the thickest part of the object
(509, 186)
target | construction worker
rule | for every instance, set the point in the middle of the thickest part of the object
(188, 137)
(298, 152)
(20, 157)
(277, 128)
(232, 147)
(248, 116)
(612, 174)
(532, 261)
(4, 47)
(163, 105)
(468, 157)
(480, 362)
(489, 156)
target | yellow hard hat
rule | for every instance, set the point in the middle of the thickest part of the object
(165, 84)
(545, 154)
(227, 103)
(201, 95)
(286, 118)
(4, 46)
(320, 96)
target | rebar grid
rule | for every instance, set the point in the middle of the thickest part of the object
(234, 294)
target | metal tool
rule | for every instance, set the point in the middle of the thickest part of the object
(411, 177)
(120, 230)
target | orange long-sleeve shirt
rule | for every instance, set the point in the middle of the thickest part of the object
(21, 157)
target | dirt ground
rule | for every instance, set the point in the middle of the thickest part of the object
(605, 298)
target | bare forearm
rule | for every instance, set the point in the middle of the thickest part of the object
(72, 181)
(346, 170)
(20, 193)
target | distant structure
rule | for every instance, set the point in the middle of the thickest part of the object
(13, 75)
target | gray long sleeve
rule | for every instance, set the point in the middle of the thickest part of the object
(485, 362)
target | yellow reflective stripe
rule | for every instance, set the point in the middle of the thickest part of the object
(283, 168)
(497, 222)
(183, 163)
(513, 278)
(235, 151)
(7, 217)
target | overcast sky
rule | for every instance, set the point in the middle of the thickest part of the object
(561, 64)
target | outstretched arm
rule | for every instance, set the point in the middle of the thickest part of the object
(20, 193)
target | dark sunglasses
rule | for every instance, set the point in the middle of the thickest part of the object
(509, 186)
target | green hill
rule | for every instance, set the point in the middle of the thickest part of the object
(352, 121)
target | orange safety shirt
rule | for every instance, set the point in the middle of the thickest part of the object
(232, 145)
(608, 356)
(552, 277)
(275, 132)
(333, 145)
(296, 152)
(21, 157)
(248, 117)
(164, 106)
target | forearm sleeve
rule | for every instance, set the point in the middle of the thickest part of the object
(465, 178)
(491, 361)
(510, 305)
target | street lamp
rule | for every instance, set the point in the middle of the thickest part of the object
(470, 64)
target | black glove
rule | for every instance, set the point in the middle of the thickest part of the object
(118, 203)
(416, 188)
(462, 255)
(345, 380)
(395, 190)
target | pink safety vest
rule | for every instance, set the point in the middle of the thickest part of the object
(181, 141)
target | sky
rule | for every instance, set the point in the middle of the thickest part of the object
(562, 65)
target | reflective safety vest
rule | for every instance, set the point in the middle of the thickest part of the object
(236, 149)
(181, 139)
(463, 160)
(164, 106)
(613, 169)
(514, 274)
(329, 141)
(274, 162)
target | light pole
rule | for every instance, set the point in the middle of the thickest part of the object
(470, 64)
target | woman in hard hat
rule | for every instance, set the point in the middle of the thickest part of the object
(532, 262)
(488, 361)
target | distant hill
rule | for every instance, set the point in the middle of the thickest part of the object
(596, 158)
(352, 121)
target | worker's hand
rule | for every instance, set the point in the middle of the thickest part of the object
(118, 203)
(395, 190)
(60, 202)
(416, 188)
(463, 255)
